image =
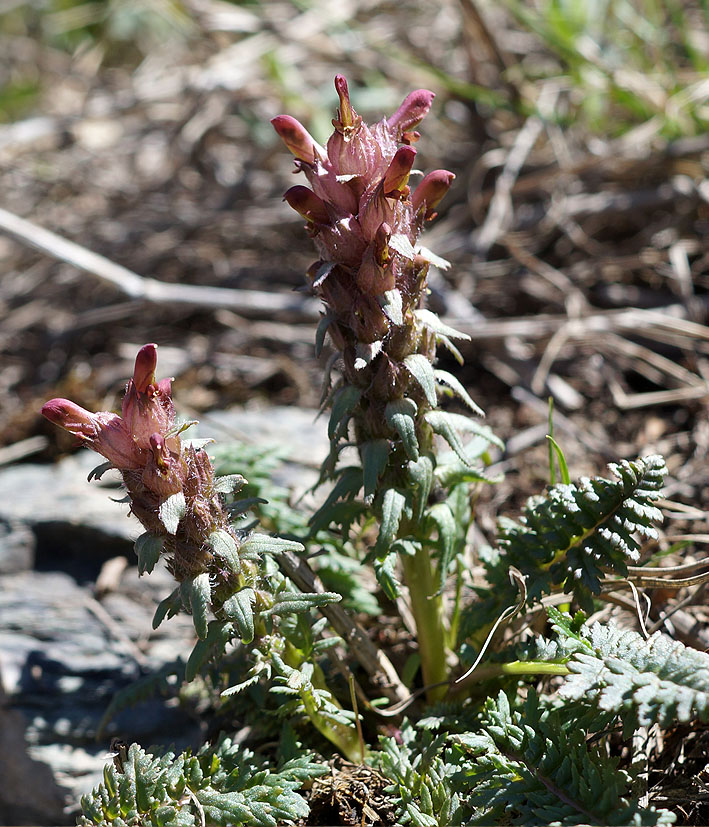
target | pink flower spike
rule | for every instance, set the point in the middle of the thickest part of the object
(297, 138)
(305, 202)
(72, 418)
(411, 112)
(145, 363)
(397, 176)
(431, 190)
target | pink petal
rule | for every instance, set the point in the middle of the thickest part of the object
(411, 112)
(297, 138)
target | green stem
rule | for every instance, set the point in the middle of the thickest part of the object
(517, 667)
(428, 614)
(344, 737)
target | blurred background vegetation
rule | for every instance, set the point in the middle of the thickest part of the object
(577, 130)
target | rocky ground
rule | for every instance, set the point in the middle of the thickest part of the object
(75, 619)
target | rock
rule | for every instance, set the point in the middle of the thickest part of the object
(17, 546)
(20, 774)
(64, 657)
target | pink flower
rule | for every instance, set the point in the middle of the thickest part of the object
(102, 431)
(124, 441)
(359, 185)
(147, 406)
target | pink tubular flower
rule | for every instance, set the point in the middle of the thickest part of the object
(144, 446)
(102, 431)
(297, 138)
(147, 406)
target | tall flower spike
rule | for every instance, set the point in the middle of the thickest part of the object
(372, 278)
(365, 223)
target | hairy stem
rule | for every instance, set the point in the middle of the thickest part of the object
(430, 627)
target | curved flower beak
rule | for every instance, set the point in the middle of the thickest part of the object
(72, 418)
(297, 138)
(309, 205)
(431, 191)
(412, 111)
(145, 363)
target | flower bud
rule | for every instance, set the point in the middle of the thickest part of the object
(144, 371)
(431, 190)
(305, 202)
(297, 138)
(103, 431)
(72, 418)
(396, 177)
(347, 118)
(411, 112)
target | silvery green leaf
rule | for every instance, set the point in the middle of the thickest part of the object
(467, 424)
(448, 425)
(374, 460)
(294, 602)
(421, 474)
(259, 544)
(224, 546)
(168, 607)
(422, 371)
(455, 385)
(172, 511)
(432, 322)
(400, 415)
(147, 549)
(385, 571)
(344, 402)
(197, 594)
(366, 352)
(197, 657)
(392, 305)
(442, 516)
(451, 348)
(197, 443)
(393, 504)
(407, 547)
(239, 609)
(432, 258)
(229, 483)
(454, 472)
(402, 245)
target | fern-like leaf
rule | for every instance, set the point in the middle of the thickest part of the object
(533, 766)
(574, 534)
(644, 682)
(222, 784)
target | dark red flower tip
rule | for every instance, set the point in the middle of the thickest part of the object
(309, 205)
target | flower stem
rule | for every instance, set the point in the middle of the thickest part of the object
(428, 614)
